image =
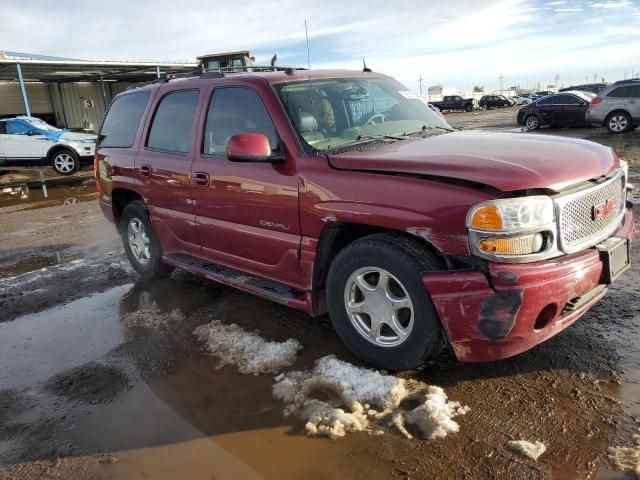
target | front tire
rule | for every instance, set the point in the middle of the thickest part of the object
(379, 305)
(532, 122)
(141, 242)
(65, 162)
(618, 122)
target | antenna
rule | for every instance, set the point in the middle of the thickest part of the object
(365, 69)
(306, 34)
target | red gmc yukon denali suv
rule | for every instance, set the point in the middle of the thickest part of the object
(342, 192)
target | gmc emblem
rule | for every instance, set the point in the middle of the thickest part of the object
(605, 208)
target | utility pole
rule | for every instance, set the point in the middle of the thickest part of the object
(625, 75)
(501, 78)
(420, 82)
(586, 79)
(557, 78)
(595, 77)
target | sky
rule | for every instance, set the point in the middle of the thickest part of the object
(456, 43)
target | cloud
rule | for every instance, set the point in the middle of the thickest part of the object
(458, 42)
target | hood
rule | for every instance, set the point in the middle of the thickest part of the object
(78, 136)
(506, 161)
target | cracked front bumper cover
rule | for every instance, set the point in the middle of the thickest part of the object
(488, 320)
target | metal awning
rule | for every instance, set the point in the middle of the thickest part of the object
(86, 71)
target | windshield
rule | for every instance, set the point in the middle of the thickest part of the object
(32, 126)
(336, 113)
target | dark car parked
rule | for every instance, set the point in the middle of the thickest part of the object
(494, 101)
(559, 110)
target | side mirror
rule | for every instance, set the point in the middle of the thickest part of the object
(249, 147)
(31, 133)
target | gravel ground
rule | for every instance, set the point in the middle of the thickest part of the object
(102, 377)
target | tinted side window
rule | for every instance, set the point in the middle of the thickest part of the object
(172, 123)
(235, 110)
(3, 128)
(123, 118)
(620, 92)
(567, 100)
(635, 91)
(547, 101)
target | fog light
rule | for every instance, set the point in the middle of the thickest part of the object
(524, 245)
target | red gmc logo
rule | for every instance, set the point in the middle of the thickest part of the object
(605, 208)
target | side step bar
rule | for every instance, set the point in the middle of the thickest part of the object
(269, 289)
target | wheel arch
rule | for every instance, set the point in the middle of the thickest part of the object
(56, 149)
(335, 237)
(618, 110)
(120, 198)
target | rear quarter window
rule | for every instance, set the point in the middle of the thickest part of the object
(173, 121)
(620, 92)
(123, 119)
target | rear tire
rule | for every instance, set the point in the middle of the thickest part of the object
(141, 242)
(389, 324)
(618, 122)
(65, 162)
(468, 108)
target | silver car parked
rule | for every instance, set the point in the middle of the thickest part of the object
(617, 107)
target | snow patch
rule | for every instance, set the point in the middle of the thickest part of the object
(335, 398)
(528, 449)
(626, 459)
(247, 350)
(149, 315)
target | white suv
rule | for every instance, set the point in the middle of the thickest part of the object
(27, 141)
(617, 107)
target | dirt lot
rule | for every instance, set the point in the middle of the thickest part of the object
(102, 377)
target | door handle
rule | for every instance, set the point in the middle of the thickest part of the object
(201, 179)
(145, 170)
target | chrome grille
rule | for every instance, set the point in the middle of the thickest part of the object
(578, 227)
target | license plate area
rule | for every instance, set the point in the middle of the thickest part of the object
(614, 253)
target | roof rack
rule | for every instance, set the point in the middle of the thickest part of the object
(174, 76)
(218, 73)
(257, 68)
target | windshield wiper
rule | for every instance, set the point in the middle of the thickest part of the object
(426, 129)
(378, 137)
(364, 138)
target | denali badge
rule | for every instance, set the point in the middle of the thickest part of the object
(267, 223)
(605, 208)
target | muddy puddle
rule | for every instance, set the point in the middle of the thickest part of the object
(146, 394)
(31, 263)
(44, 195)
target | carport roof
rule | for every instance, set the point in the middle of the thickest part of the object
(52, 69)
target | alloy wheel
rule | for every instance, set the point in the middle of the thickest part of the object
(379, 306)
(618, 123)
(64, 163)
(532, 122)
(139, 241)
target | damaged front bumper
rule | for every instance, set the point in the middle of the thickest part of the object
(514, 307)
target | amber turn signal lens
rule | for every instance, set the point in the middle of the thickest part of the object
(512, 246)
(487, 218)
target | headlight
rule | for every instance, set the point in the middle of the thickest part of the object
(511, 214)
(512, 229)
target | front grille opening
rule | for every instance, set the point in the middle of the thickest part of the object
(577, 223)
(545, 316)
